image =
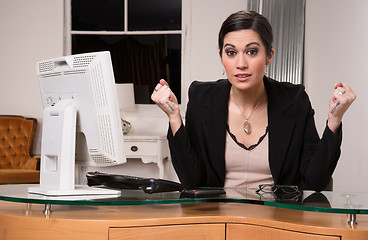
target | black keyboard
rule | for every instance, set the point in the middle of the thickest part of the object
(148, 185)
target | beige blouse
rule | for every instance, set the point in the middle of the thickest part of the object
(246, 167)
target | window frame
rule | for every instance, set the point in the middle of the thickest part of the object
(185, 48)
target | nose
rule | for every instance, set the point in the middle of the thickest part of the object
(241, 62)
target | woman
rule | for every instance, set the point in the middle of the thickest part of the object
(249, 129)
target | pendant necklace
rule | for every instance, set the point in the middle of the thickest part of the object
(246, 124)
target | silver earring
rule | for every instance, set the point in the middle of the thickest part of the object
(223, 71)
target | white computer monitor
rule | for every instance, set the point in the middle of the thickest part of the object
(81, 123)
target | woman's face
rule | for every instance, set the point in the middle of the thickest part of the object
(244, 58)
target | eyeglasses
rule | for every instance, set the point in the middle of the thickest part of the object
(279, 192)
(270, 188)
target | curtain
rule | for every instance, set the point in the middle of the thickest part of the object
(287, 20)
(143, 64)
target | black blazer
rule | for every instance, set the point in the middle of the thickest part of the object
(297, 156)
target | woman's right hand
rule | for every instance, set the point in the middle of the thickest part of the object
(167, 101)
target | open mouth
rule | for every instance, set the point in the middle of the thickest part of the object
(242, 76)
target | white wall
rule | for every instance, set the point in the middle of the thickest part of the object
(207, 17)
(204, 21)
(336, 51)
(30, 31)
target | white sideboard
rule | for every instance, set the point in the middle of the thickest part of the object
(148, 148)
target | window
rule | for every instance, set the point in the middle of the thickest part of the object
(143, 36)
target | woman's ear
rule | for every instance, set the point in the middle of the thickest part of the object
(269, 58)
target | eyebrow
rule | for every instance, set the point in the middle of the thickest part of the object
(252, 44)
(247, 45)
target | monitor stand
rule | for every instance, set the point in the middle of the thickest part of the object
(57, 171)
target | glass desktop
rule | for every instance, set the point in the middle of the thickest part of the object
(327, 201)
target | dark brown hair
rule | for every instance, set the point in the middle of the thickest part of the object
(247, 20)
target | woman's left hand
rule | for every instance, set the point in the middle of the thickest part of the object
(342, 97)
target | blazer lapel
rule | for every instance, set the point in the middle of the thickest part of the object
(215, 127)
(280, 127)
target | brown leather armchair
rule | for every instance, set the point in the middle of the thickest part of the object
(16, 139)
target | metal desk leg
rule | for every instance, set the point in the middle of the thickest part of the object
(352, 222)
(47, 210)
(28, 208)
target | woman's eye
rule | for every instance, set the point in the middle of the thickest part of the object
(230, 53)
(252, 52)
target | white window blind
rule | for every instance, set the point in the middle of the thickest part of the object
(287, 20)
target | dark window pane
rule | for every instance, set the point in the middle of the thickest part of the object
(145, 15)
(93, 15)
(142, 60)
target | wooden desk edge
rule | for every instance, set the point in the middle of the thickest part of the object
(94, 222)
